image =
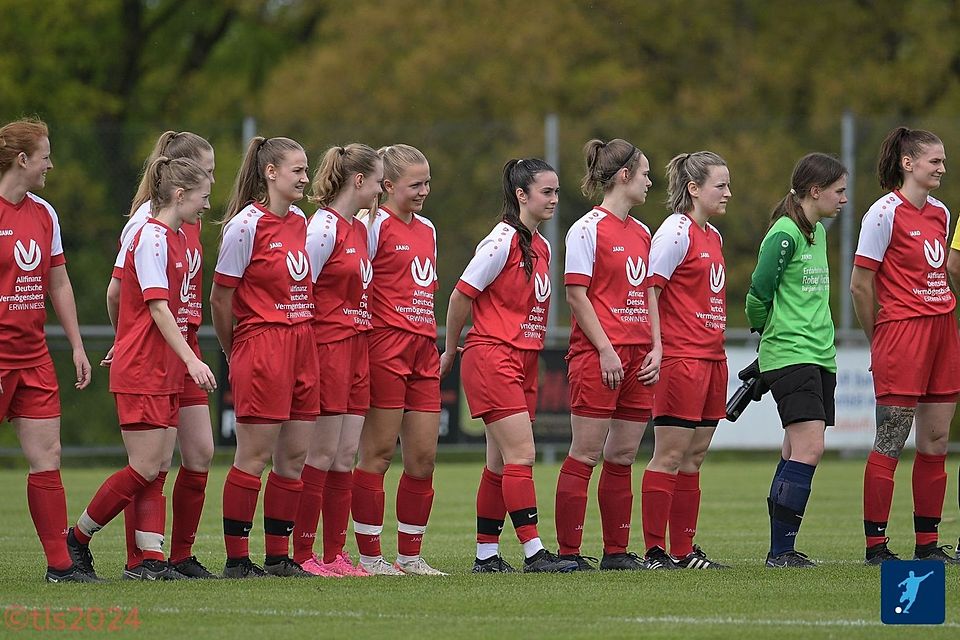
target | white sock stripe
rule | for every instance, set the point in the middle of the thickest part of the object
(88, 525)
(149, 541)
(367, 529)
(411, 529)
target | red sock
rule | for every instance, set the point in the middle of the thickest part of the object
(571, 506)
(281, 499)
(240, 493)
(414, 501)
(684, 513)
(336, 513)
(367, 507)
(48, 508)
(308, 515)
(134, 557)
(615, 493)
(929, 487)
(189, 493)
(491, 512)
(150, 507)
(520, 498)
(657, 490)
(113, 495)
(877, 496)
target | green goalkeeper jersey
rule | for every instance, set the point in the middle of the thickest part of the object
(789, 299)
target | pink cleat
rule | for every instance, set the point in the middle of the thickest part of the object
(343, 567)
(314, 567)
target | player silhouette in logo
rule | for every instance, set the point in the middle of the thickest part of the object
(910, 586)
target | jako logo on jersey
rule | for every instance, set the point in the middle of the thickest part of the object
(636, 271)
(276, 245)
(717, 277)
(185, 289)
(541, 287)
(297, 265)
(193, 263)
(402, 247)
(366, 272)
(423, 274)
(27, 259)
(933, 253)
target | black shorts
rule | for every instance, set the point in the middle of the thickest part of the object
(803, 392)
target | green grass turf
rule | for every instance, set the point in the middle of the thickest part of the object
(838, 599)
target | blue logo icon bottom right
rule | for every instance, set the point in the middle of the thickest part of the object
(912, 592)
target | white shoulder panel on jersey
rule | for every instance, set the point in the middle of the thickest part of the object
(236, 245)
(319, 248)
(490, 257)
(56, 244)
(581, 244)
(670, 245)
(877, 228)
(134, 224)
(937, 203)
(150, 257)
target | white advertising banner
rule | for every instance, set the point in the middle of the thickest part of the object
(759, 426)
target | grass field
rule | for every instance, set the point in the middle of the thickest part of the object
(839, 599)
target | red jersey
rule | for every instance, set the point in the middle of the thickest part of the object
(155, 268)
(508, 307)
(609, 257)
(907, 248)
(404, 258)
(264, 257)
(194, 307)
(686, 262)
(342, 272)
(30, 245)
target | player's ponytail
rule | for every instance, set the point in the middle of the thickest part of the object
(520, 174)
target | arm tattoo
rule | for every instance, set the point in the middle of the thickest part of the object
(893, 427)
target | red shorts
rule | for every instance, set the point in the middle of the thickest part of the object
(590, 398)
(30, 393)
(192, 395)
(274, 375)
(345, 377)
(499, 381)
(916, 360)
(404, 371)
(690, 392)
(140, 412)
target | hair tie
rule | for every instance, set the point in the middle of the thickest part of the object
(793, 192)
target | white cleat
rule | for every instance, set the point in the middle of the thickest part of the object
(380, 567)
(418, 567)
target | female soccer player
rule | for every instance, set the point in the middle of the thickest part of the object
(262, 306)
(146, 513)
(900, 268)
(404, 368)
(615, 351)
(688, 276)
(29, 394)
(507, 288)
(789, 304)
(348, 179)
(149, 356)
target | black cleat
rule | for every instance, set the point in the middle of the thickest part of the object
(627, 561)
(151, 570)
(493, 564)
(657, 558)
(790, 560)
(80, 554)
(697, 559)
(191, 568)
(243, 568)
(284, 567)
(879, 553)
(584, 563)
(70, 574)
(933, 552)
(545, 562)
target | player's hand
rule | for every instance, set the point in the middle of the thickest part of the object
(202, 375)
(447, 359)
(108, 359)
(649, 372)
(83, 368)
(611, 369)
